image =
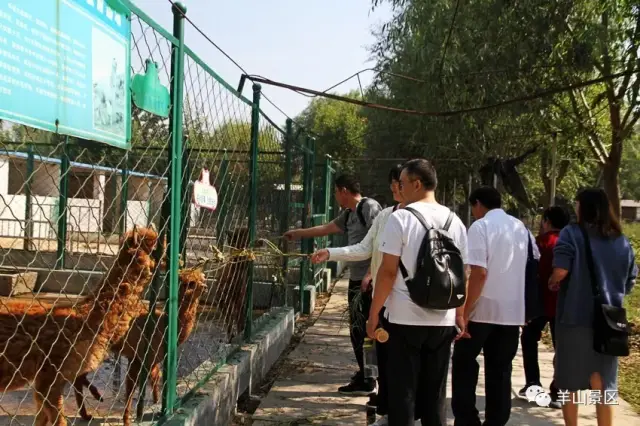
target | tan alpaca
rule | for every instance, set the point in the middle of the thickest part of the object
(134, 347)
(50, 348)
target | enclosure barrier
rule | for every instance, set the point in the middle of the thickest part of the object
(79, 218)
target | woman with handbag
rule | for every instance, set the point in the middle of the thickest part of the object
(594, 269)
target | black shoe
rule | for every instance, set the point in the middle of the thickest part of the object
(361, 388)
(373, 400)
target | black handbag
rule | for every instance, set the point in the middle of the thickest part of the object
(610, 326)
(533, 297)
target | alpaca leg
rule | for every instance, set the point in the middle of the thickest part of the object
(78, 389)
(155, 382)
(52, 404)
(41, 416)
(130, 383)
(95, 392)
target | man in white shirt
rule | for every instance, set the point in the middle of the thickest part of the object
(493, 312)
(420, 339)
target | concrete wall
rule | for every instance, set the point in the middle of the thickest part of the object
(215, 403)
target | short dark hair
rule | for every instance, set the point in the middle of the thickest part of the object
(424, 171)
(394, 173)
(487, 196)
(595, 211)
(557, 216)
(348, 182)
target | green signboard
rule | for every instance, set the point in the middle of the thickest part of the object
(65, 67)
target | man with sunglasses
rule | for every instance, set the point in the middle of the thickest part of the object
(419, 345)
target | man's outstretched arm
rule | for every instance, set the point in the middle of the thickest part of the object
(316, 231)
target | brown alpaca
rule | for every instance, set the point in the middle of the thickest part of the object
(134, 346)
(232, 284)
(51, 348)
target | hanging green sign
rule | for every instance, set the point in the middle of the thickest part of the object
(148, 93)
(64, 67)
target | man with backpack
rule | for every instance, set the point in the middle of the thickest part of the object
(422, 280)
(499, 249)
(356, 219)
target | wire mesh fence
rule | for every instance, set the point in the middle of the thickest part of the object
(116, 277)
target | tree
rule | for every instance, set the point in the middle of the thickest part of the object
(337, 126)
(468, 54)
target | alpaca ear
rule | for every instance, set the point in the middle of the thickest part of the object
(135, 236)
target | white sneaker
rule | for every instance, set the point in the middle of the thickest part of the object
(382, 421)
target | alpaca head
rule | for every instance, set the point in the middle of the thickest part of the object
(192, 284)
(139, 238)
(136, 254)
(238, 238)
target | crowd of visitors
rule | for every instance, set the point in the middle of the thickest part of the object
(444, 292)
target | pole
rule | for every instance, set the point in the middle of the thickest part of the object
(286, 217)
(554, 174)
(306, 209)
(185, 204)
(222, 197)
(61, 251)
(253, 205)
(124, 193)
(175, 181)
(28, 213)
(453, 196)
(469, 184)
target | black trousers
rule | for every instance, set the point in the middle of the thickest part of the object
(531, 334)
(418, 358)
(358, 315)
(383, 360)
(500, 344)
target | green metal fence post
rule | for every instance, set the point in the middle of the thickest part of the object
(311, 144)
(307, 196)
(175, 182)
(222, 199)
(253, 204)
(124, 193)
(187, 191)
(286, 217)
(61, 251)
(28, 213)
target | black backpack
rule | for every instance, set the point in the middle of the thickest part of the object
(439, 280)
(359, 213)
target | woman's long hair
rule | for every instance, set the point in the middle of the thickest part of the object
(595, 212)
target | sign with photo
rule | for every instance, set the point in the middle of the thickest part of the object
(204, 194)
(65, 66)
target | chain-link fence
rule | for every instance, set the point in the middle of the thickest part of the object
(117, 273)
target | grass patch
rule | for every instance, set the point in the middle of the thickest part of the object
(629, 374)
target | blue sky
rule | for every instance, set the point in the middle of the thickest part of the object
(310, 43)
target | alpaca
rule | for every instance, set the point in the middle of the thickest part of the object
(48, 349)
(233, 282)
(135, 347)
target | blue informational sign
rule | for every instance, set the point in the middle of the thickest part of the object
(65, 66)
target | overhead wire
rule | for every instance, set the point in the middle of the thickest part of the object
(221, 50)
(531, 97)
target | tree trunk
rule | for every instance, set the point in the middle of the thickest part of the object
(611, 168)
(611, 185)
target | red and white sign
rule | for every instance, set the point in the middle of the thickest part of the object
(204, 194)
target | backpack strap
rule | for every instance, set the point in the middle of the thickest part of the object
(448, 222)
(418, 215)
(359, 207)
(395, 207)
(590, 263)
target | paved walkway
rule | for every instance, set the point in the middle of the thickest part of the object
(306, 390)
